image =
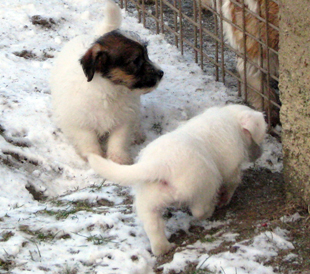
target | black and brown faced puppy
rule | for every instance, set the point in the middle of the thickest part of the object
(96, 88)
(122, 60)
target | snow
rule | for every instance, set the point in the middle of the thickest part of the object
(247, 255)
(65, 233)
(289, 219)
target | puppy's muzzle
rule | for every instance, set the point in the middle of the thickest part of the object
(157, 75)
(160, 74)
(150, 78)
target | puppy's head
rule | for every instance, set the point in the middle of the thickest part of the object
(123, 61)
(254, 129)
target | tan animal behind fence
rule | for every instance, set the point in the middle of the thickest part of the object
(257, 40)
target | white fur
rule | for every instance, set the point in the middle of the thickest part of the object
(112, 19)
(85, 110)
(188, 166)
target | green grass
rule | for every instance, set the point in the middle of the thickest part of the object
(72, 209)
(98, 239)
(5, 236)
(6, 265)
(208, 240)
(95, 188)
(69, 270)
(41, 235)
(193, 269)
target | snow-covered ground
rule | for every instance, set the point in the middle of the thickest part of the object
(86, 226)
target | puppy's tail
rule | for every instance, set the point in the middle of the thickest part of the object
(112, 18)
(125, 175)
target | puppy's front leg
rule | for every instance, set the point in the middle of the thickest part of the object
(118, 143)
(85, 141)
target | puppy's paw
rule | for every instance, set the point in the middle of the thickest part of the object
(122, 159)
(162, 248)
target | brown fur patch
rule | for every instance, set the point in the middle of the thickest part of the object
(262, 54)
(256, 27)
(122, 60)
(120, 77)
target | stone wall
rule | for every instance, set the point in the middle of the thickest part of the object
(294, 57)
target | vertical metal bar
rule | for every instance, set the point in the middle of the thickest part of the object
(261, 52)
(239, 89)
(216, 25)
(200, 35)
(157, 17)
(139, 12)
(162, 16)
(266, 2)
(175, 17)
(245, 86)
(143, 13)
(181, 25)
(195, 28)
(222, 41)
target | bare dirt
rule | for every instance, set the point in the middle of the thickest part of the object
(260, 202)
(257, 206)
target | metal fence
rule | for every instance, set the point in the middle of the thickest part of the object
(237, 40)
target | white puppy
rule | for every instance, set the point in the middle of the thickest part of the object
(96, 85)
(189, 166)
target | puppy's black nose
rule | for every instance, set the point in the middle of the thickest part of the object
(160, 74)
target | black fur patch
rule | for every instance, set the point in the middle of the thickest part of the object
(122, 60)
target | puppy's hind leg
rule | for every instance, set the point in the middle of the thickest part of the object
(149, 209)
(202, 211)
(202, 207)
(202, 203)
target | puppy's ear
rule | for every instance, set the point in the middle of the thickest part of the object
(91, 60)
(253, 125)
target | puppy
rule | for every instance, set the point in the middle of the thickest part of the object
(189, 166)
(255, 52)
(96, 85)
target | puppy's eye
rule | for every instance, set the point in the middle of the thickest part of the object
(137, 62)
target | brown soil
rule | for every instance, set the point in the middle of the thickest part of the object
(257, 206)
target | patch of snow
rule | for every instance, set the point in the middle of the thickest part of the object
(248, 256)
(50, 237)
(290, 219)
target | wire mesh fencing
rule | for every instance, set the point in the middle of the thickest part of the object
(236, 40)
